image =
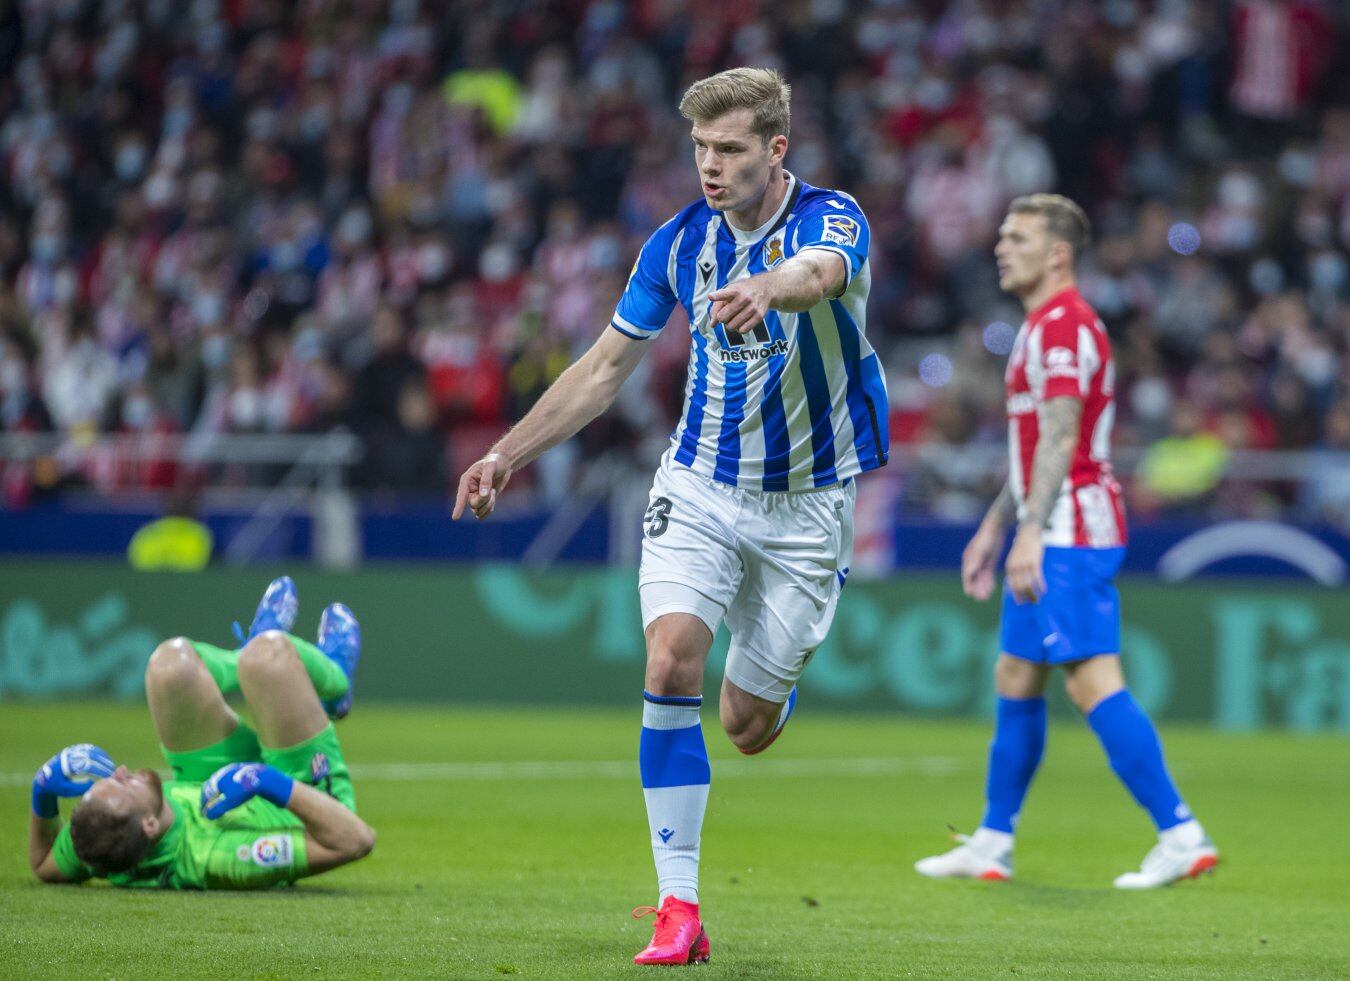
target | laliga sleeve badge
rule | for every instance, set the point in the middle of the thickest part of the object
(273, 851)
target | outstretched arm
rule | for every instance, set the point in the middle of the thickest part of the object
(798, 284)
(1059, 434)
(581, 393)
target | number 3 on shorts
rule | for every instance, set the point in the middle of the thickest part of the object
(655, 522)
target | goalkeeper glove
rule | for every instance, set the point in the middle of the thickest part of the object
(238, 783)
(70, 773)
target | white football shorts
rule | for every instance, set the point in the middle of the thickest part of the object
(771, 563)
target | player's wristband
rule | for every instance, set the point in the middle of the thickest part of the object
(44, 803)
(274, 786)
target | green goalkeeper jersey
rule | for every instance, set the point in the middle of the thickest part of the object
(255, 846)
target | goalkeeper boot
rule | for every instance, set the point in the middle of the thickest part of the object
(340, 639)
(986, 854)
(1181, 853)
(277, 610)
(678, 937)
(778, 729)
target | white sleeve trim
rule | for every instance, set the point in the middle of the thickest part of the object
(848, 264)
(632, 329)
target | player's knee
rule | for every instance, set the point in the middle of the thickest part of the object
(266, 655)
(668, 673)
(1085, 693)
(1014, 678)
(747, 734)
(173, 664)
(746, 728)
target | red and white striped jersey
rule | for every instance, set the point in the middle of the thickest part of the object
(1062, 350)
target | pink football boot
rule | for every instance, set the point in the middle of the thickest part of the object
(679, 936)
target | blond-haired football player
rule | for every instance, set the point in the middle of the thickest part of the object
(750, 519)
(1060, 606)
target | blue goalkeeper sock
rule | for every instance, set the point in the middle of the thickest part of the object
(1136, 756)
(675, 780)
(1014, 755)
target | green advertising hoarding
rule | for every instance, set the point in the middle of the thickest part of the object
(1237, 656)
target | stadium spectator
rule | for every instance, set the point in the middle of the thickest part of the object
(179, 185)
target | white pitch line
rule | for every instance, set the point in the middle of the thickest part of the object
(848, 766)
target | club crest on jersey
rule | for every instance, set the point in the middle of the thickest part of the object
(841, 229)
(773, 251)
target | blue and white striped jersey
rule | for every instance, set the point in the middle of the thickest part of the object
(798, 403)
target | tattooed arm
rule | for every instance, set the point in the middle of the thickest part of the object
(1059, 435)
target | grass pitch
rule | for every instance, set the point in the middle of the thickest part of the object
(513, 843)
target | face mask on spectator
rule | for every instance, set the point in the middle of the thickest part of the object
(308, 345)
(215, 350)
(498, 263)
(137, 411)
(208, 308)
(246, 406)
(1327, 272)
(397, 98)
(433, 262)
(354, 227)
(130, 161)
(47, 247)
(13, 377)
(177, 120)
(159, 190)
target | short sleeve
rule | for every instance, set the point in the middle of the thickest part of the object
(835, 223)
(649, 297)
(256, 859)
(67, 862)
(1067, 358)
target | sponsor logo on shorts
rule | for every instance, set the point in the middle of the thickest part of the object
(273, 851)
(318, 767)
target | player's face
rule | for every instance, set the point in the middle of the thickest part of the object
(1023, 253)
(734, 164)
(136, 792)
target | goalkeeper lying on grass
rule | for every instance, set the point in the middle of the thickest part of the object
(246, 809)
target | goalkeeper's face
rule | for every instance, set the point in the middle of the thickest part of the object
(130, 793)
(735, 164)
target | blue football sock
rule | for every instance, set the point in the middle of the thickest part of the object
(1136, 756)
(675, 779)
(1014, 755)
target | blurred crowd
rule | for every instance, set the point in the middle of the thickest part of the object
(404, 218)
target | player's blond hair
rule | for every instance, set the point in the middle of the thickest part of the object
(1064, 220)
(761, 90)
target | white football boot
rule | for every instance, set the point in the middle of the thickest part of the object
(1181, 853)
(985, 855)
